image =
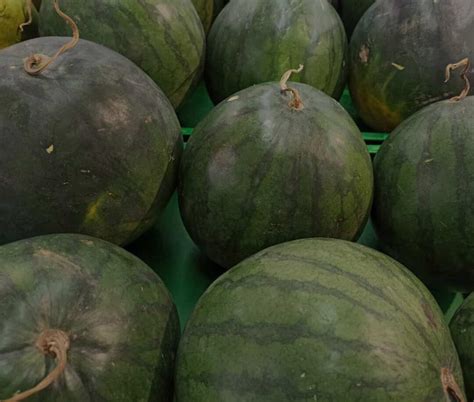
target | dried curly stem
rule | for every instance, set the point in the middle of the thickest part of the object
(37, 63)
(51, 342)
(451, 67)
(29, 7)
(296, 102)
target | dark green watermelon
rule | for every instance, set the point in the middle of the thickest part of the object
(352, 11)
(253, 41)
(91, 146)
(117, 315)
(462, 329)
(205, 10)
(317, 320)
(257, 172)
(399, 51)
(163, 37)
(424, 194)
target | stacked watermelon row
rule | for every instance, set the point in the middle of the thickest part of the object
(275, 185)
(90, 145)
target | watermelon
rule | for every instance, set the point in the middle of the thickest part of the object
(398, 54)
(462, 329)
(352, 11)
(317, 320)
(114, 312)
(257, 172)
(163, 37)
(92, 146)
(254, 41)
(13, 13)
(205, 10)
(424, 194)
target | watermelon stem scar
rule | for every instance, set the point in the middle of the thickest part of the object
(55, 343)
(451, 387)
(450, 67)
(29, 6)
(296, 103)
(36, 63)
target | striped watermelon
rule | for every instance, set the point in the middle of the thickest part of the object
(462, 329)
(163, 37)
(205, 10)
(257, 172)
(424, 194)
(254, 41)
(112, 310)
(398, 54)
(317, 320)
